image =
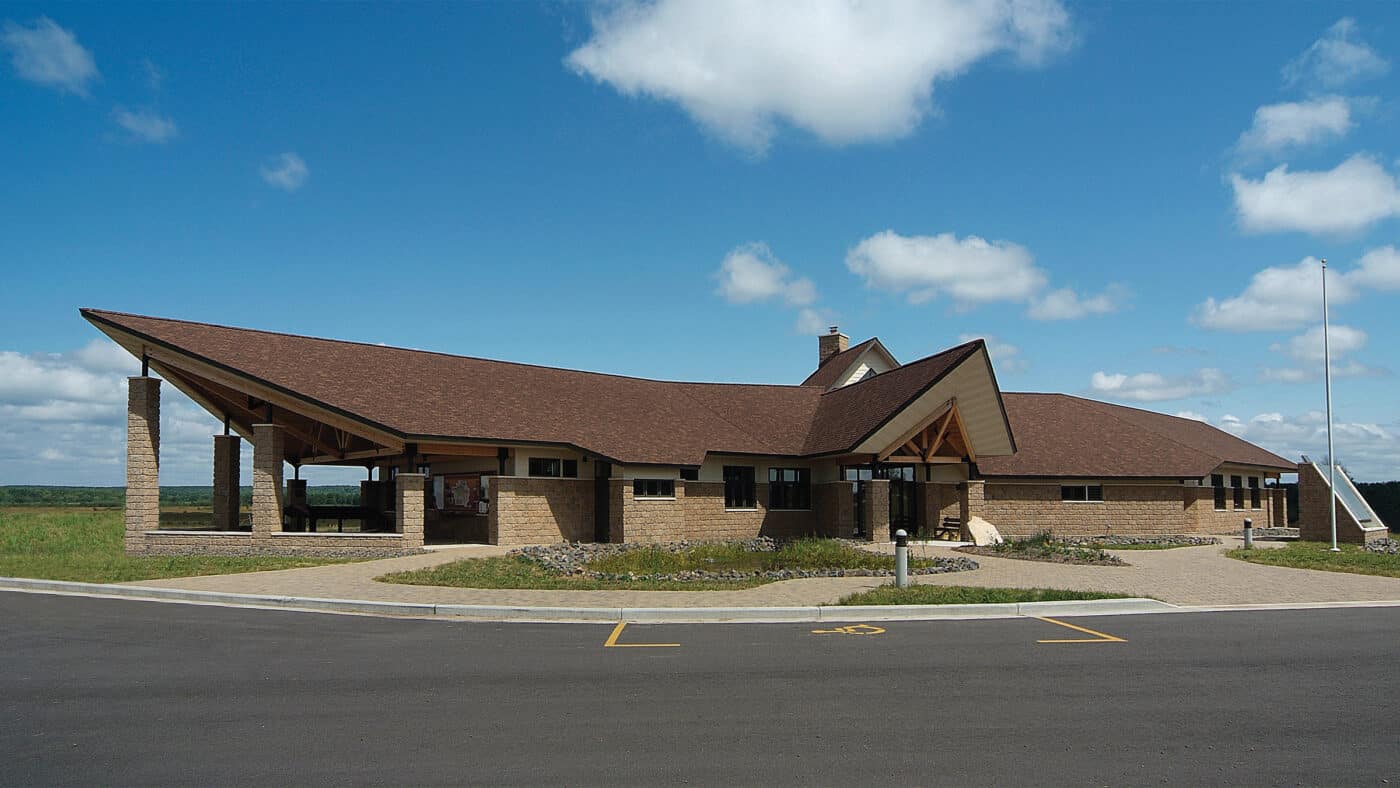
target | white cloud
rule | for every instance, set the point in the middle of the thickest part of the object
(1290, 296)
(751, 273)
(814, 322)
(286, 171)
(1334, 60)
(1297, 123)
(1378, 269)
(1006, 357)
(1154, 387)
(969, 270)
(1306, 350)
(1356, 194)
(1065, 304)
(1190, 414)
(145, 125)
(1368, 450)
(46, 54)
(844, 70)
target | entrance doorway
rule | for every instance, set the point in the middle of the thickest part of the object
(904, 496)
(602, 494)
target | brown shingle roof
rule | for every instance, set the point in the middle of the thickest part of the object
(422, 394)
(829, 373)
(1063, 435)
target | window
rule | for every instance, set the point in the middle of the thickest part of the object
(690, 474)
(789, 488)
(739, 487)
(1254, 492)
(1218, 482)
(1082, 493)
(1237, 482)
(653, 488)
(550, 466)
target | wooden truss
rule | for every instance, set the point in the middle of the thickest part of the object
(940, 438)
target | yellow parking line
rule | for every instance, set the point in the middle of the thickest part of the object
(1099, 637)
(617, 631)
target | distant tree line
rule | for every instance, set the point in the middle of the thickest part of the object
(193, 496)
(1384, 498)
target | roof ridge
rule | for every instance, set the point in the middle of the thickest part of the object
(444, 354)
(929, 357)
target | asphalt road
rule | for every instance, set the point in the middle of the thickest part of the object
(109, 692)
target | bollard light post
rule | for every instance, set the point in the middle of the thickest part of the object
(1248, 533)
(901, 558)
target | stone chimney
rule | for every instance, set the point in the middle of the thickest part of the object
(831, 343)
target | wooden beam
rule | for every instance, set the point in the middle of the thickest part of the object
(918, 428)
(932, 449)
(351, 455)
(458, 449)
(962, 433)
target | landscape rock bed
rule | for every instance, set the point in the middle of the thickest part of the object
(1386, 546)
(573, 558)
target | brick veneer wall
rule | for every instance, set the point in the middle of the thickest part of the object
(268, 454)
(245, 543)
(1313, 522)
(142, 461)
(540, 511)
(706, 518)
(875, 510)
(834, 505)
(1203, 518)
(409, 506)
(652, 520)
(1027, 509)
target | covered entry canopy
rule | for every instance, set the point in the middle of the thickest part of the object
(342, 402)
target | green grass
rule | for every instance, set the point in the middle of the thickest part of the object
(967, 595)
(519, 572)
(1318, 555)
(86, 545)
(513, 571)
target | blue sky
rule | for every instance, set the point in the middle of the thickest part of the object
(1123, 197)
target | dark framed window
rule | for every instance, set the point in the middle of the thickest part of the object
(1237, 483)
(1254, 492)
(739, 487)
(1218, 482)
(789, 488)
(653, 488)
(690, 474)
(550, 466)
(1090, 493)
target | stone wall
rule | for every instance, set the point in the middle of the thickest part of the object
(835, 512)
(410, 505)
(268, 456)
(245, 543)
(875, 510)
(652, 520)
(1028, 509)
(1203, 518)
(142, 461)
(527, 510)
(1313, 523)
(706, 518)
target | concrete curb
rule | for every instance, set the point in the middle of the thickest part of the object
(650, 615)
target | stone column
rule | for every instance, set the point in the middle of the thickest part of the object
(226, 471)
(876, 510)
(408, 509)
(971, 503)
(142, 461)
(268, 454)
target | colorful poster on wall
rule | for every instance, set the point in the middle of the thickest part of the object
(461, 492)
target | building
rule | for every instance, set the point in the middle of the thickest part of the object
(469, 449)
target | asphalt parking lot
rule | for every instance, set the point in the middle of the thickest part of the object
(116, 692)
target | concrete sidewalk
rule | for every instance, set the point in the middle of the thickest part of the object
(1187, 576)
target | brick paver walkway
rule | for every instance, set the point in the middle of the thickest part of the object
(1182, 576)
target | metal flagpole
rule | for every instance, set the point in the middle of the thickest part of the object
(1331, 457)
